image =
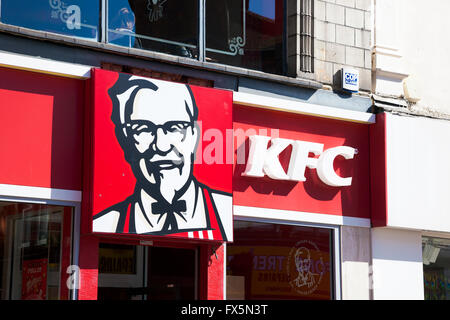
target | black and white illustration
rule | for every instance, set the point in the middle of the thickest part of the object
(156, 126)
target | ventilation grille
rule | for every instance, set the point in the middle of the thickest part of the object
(306, 35)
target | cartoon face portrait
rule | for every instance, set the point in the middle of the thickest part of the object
(156, 126)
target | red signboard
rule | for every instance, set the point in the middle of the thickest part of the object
(335, 182)
(157, 156)
(40, 132)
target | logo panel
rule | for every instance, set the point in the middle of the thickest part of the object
(158, 158)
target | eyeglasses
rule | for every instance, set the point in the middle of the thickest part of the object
(137, 127)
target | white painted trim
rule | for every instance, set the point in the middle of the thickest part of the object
(433, 234)
(395, 75)
(298, 216)
(10, 190)
(64, 69)
(337, 236)
(78, 71)
(285, 105)
(387, 50)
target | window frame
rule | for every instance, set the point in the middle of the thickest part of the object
(102, 41)
(336, 278)
(106, 239)
(99, 30)
(75, 230)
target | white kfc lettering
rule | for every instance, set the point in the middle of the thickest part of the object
(300, 159)
(264, 160)
(325, 169)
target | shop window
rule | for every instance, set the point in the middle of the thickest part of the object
(246, 33)
(73, 18)
(35, 251)
(158, 25)
(128, 272)
(275, 261)
(436, 268)
(252, 34)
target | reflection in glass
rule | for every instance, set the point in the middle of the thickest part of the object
(436, 268)
(32, 251)
(121, 25)
(73, 18)
(165, 26)
(274, 261)
(246, 33)
(128, 272)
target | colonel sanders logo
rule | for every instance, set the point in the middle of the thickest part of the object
(155, 125)
(300, 269)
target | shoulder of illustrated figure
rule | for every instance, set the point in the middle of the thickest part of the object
(223, 201)
(108, 220)
(223, 205)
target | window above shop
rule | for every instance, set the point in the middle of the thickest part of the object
(250, 34)
(165, 26)
(246, 34)
(72, 18)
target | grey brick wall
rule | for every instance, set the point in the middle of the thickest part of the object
(342, 36)
(342, 28)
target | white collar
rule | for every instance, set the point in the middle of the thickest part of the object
(194, 217)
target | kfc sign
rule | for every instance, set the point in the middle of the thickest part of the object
(146, 137)
(263, 160)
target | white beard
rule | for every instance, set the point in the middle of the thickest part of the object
(171, 181)
(149, 176)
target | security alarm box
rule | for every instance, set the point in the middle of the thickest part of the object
(350, 79)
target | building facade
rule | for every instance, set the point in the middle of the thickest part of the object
(241, 150)
(409, 90)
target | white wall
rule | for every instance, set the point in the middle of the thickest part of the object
(397, 269)
(411, 39)
(418, 173)
(425, 48)
(356, 261)
(388, 65)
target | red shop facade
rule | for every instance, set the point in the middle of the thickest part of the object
(118, 186)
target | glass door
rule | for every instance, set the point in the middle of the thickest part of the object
(171, 274)
(130, 272)
(35, 246)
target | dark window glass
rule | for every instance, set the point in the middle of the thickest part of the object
(35, 242)
(246, 33)
(275, 261)
(166, 26)
(128, 272)
(436, 268)
(78, 18)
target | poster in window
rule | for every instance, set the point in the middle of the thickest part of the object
(34, 279)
